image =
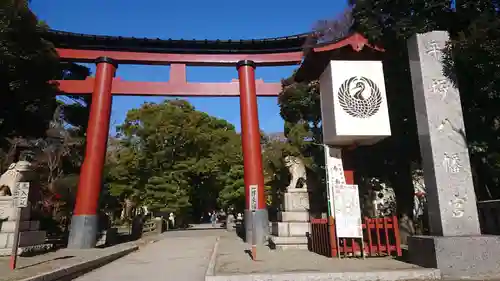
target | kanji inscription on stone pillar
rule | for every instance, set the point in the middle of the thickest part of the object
(447, 172)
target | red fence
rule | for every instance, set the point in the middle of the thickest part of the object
(380, 237)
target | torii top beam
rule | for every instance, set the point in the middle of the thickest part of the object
(279, 51)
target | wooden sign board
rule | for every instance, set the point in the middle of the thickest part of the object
(347, 211)
(334, 173)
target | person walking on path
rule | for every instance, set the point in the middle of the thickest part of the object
(213, 218)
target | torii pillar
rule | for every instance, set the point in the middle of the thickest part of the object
(85, 221)
(252, 155)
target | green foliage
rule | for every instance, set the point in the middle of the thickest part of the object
(275, 173)
(168, 192)
(300, 107)
(27, 64)
(300, 101)
(233, 193)
(473, 62)
(383, 20)
(123, 170)
(173, 158)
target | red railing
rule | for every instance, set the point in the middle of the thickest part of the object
(319, 239)
(380, 237)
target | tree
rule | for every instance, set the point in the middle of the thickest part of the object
(233, 193)
(124, 177)
(177, 159)
(472, 61)
(27, 65)
(230, 159)
(300, 107)
(76, 109)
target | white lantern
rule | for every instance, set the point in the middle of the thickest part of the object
(353, 103)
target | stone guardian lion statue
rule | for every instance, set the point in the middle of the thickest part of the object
(297, 171)
(17, 172)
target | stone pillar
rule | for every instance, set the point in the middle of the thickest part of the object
(445, 157)
(455, 246)
(84, 223)
(252, 155)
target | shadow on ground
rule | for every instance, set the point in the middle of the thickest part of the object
(46, 261)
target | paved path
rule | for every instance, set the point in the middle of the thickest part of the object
(204, 226)
(232, 259)
(179, 256)
(44, 263)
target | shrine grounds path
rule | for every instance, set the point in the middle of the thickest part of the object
(179, 256)
(190, 255)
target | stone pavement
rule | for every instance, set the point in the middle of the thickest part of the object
(232, 259)
(218, 255)
(232, 262)
(39, 264)
(29, 266)
(179, 256)
(204, 226)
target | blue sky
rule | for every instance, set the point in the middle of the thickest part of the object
(191, 19)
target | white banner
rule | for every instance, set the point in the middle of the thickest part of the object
(347, 211)
(254, 197)
(334, 172)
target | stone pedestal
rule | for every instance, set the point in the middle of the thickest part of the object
(473, 256)
(456, 246)
(291, 230)
(30, 235)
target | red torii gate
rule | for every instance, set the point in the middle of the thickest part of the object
(108, 52)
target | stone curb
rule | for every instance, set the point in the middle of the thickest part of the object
(82, 266)
(211, 264)
(391, 275)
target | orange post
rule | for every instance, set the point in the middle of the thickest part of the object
(256, 221)
(84, 222)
